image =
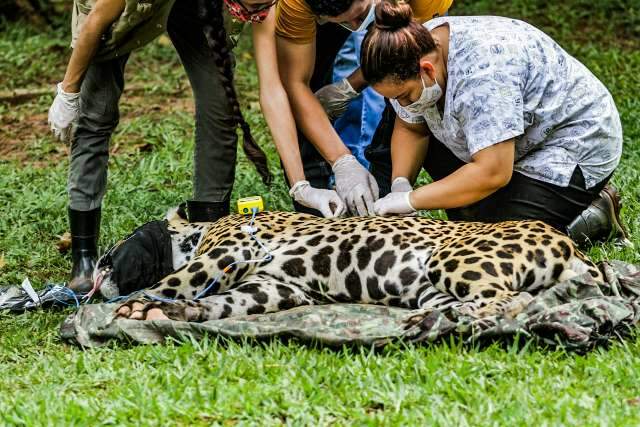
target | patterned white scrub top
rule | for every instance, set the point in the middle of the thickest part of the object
(507, 79)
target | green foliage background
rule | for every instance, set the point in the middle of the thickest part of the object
(44, 381)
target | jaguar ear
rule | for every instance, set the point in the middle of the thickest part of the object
(182, 211)
(178, 213)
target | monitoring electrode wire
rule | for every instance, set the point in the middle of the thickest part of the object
(252, 233)
(54, 290)
(64, 290)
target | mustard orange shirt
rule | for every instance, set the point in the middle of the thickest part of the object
(295, 20)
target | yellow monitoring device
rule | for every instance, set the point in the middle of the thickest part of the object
(248, 204)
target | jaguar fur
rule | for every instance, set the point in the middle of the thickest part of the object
(482, 269)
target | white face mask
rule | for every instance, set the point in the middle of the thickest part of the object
(371, 16)
(428, 98)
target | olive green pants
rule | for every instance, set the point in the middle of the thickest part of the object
(215, 133)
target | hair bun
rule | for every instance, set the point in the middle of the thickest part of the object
(391, 15)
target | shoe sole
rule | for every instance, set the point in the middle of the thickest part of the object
(614, 204)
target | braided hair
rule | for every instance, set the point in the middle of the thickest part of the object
(211, 14)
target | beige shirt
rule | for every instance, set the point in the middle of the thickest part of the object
(140, 23)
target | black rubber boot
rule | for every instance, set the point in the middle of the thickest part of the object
(600, 221)
(206, 211)
(85, 229)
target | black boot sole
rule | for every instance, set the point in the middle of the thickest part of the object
(614, 205)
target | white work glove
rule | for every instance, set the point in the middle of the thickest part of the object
(326, 201)
(395, 204)
(63, 114)
(400, 185)
(335, 98)
(355, 185)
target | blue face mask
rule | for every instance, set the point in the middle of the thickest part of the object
(368, 20)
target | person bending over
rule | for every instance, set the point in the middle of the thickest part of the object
(310, 33)
(85, 109)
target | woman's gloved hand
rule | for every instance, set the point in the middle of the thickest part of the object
(400, 185)
(355, 185)
(395, 203)
(335, 98)
(326, 201)
(63, 114)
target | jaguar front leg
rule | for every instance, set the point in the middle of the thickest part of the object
(259, 295)
(222, 265)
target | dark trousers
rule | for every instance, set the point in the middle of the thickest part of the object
(379, 152)
(215, 133)
(523, 198)
(329, 40)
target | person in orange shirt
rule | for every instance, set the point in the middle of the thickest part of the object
(309, 35)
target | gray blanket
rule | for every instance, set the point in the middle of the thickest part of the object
(578, 315)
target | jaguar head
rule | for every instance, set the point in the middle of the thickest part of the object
(147, 255)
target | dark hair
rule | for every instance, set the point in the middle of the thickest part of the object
(211, 14)
(394, 45)
(329, 7)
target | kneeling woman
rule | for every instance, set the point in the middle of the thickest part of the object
(508, 125)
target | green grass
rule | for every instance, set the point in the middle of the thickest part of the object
(44, 381)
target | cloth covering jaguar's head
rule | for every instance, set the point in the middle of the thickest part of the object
(152, 251)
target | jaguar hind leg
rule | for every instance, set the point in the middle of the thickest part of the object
(509, 304)
(487, 279)
(481, 293)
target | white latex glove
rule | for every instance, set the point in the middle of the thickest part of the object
(355, 185)
(395, 204)
(63, 114)
(400, 185)
(326, 201)
(335, 98)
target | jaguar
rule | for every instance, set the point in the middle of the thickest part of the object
(276, 261)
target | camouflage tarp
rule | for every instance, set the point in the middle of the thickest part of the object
(577, 314)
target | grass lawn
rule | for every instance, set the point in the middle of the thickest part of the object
(44, 381)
